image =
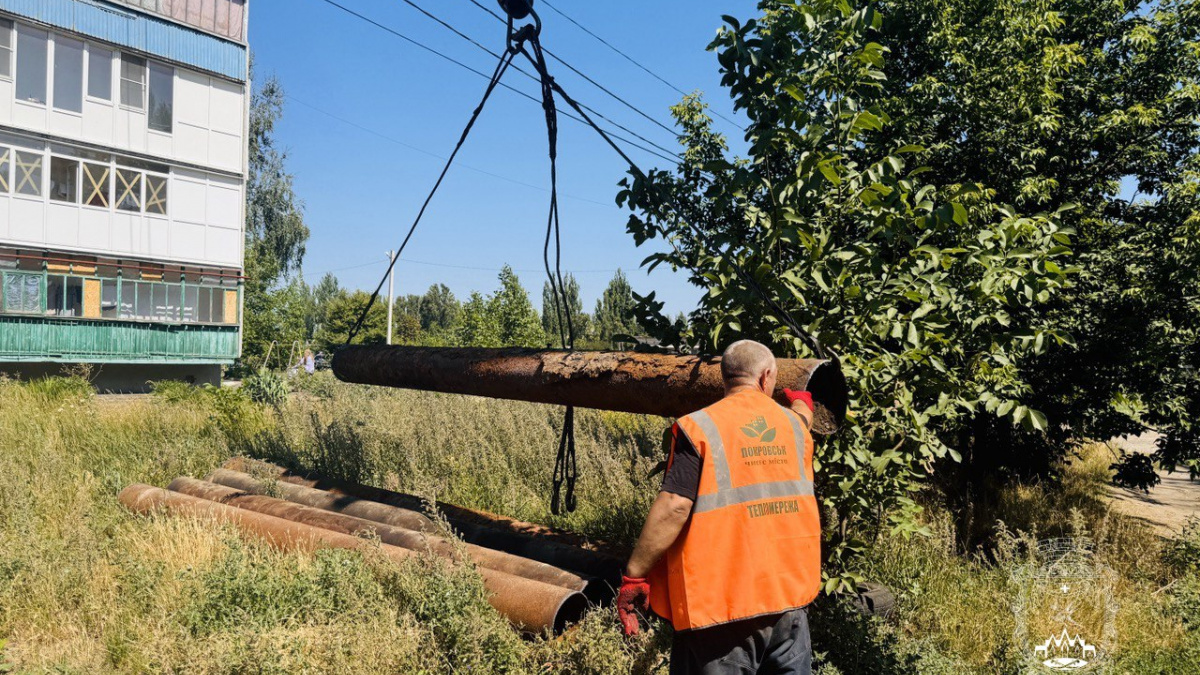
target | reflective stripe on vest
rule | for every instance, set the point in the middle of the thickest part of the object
(726, 494)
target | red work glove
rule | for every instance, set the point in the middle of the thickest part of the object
(793, 396)
(633, 597)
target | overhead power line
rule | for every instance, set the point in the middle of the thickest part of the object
(425, 263)
(580, 73)
(464, 66)
(423, 151)
(630, 59)
(531, 76)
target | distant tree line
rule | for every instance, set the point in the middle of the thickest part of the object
(321, 316)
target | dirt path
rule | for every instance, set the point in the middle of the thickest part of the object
(1169, 505)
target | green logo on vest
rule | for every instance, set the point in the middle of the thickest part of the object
(758, 429)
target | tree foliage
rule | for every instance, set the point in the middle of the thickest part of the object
(580, 322)
(275, 229)
(930, 291)
(1053, 102)
(615, 310)
(341, 314)
(504, 319)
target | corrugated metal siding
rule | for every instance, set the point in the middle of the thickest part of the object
(40, 339)
(226, 18)
(135, 30)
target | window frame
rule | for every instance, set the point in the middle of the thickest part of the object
(11, 48)
(23, 29)
(59, 40)
(78, 179)
(144, 83)
(113, 55)
(20, 181)
(169, 71)
(6, 163)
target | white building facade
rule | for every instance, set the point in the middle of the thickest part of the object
(123, 161)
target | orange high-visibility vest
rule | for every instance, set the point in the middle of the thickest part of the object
(753, 544)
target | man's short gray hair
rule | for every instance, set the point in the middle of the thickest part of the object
(745, 361)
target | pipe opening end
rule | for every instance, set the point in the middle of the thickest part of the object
(831, 397)
(571, 611)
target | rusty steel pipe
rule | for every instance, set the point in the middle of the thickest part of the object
(559, 549)
(652, 384)
(532, 606)
(451, 512)
(388, 534)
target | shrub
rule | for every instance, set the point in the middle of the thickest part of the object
(266, 387)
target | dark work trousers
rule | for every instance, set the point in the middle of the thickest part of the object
(772, 645)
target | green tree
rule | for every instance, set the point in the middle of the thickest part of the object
(520, 325)
(478, 325)
(615, 310)
(504, 319)
(439, 308)
(341, 314)
(550, 318)
(322, 294)
(929, 292)
(1055, 102)
(275, 229)
(407, 330)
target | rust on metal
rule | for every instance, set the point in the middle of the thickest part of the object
(388, 534)
(532, 606)
(651, 384)
(553, 547)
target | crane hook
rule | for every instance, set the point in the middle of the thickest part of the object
(517, 9)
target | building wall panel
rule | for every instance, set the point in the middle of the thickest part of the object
(62, 225)
(28, 221)
(138, 31)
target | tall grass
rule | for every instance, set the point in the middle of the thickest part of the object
(86, 587)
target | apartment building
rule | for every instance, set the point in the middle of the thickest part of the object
(123, 161)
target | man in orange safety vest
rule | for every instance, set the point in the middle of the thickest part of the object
(730, 552)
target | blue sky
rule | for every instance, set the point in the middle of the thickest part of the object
(363, 176)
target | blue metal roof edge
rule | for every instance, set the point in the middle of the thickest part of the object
(128, 28)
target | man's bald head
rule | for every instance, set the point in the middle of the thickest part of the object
(748, 363)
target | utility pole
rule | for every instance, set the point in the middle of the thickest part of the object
(391, 256)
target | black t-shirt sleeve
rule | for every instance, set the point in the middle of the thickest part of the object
(683, 470)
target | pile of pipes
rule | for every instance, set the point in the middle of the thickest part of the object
(541, 579)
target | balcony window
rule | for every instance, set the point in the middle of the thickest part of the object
(28, 174)
(133, 82)
(5, 166)
(129, 190)
(31, 65)
(156, 194)
(97, 185)
(22, 292)
(99, 73)
(162, 97)
(6, 48)
(68, 74)
(108, 299)
(64, 180)
(64, 295)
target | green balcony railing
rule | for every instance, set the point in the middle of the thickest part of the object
(29, 338)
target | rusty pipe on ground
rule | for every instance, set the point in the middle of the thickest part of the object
(652, 384)
(451, 512)
(532, 606)
(385, 506)
(388, 534)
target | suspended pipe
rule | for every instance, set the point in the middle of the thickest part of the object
(388, 534)
(532, 606)
(384, 506)
(651, 384)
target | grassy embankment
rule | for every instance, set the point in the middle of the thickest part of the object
(87, 588)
